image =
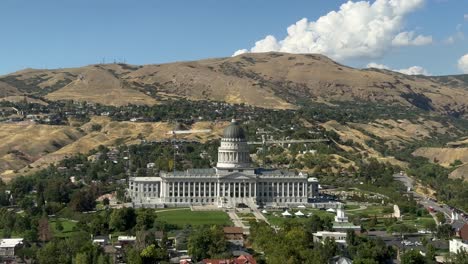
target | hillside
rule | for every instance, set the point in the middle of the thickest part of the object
(270, 80)
(27, 147)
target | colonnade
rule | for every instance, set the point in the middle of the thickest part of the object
(234, 189)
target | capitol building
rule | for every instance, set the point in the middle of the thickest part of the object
(232, 182)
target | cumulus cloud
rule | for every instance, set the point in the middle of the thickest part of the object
(407, 38)
(413, 70)
(357, 30)
(463, 63)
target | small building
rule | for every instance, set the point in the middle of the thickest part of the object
(243, 259)
(343, 227)
(339, 237)
(9, 247)
(234, 235)
(340, 260)
(101, 240)
(463, 232)
(126, 240)
(456, 245)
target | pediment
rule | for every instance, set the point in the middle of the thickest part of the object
(237, 176)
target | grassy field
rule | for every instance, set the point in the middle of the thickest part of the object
(185, 216)
(67, 228)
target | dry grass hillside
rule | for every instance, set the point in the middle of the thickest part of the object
(447, 156)
(28, 147)
(271, 80)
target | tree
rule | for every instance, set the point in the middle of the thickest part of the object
(58, 225)
(145, 219)
(206, 242)
(122, 219)
(44, 229)
(430, 253)
(53, 252)
(153, 254)
(82, 200)
(132, 256)
(444, 231)
(461, 257)
(440, 217)
(412, 257)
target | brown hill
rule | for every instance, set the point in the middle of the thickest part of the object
(271, 80)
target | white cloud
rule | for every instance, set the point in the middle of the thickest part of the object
(463, 63)
(407, 38)
(413, 70)
(239, 52)
(465, 16)
(377, 66)
(357, 30)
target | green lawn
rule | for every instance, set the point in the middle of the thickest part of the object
(351, 206)
(67, 228)
(182, 217)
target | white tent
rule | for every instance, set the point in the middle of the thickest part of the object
(301, 206)
(264, 211)
(299, 213)
(286, 214)
(331, 210)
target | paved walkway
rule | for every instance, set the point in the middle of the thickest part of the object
(174, 209)
(237, 221)
(259, 216)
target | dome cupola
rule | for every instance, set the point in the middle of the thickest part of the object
(234, 130)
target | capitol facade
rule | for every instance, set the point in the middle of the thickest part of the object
(232, 182)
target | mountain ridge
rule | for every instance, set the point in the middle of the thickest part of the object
(269, 80)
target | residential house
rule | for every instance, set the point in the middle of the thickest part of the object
(9, 248)
(244, 259)
(234, 235)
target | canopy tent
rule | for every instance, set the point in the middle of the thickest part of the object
(331, 210)
(286, 213)
(301, 206)
(264, 211)
(299, 213)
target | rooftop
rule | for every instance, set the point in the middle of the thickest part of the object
(10, 242)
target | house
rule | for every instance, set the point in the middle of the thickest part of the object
(126, 240)
(340, 260)
(463, 232)
(9, 247)
(339, 237)
(234, 235)
(243, 259)
(456, 245)
(101, 240)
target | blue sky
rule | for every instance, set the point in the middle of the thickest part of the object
(59, 34)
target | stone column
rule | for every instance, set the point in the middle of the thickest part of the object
(277, 189)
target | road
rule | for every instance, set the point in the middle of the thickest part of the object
(423, 200)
